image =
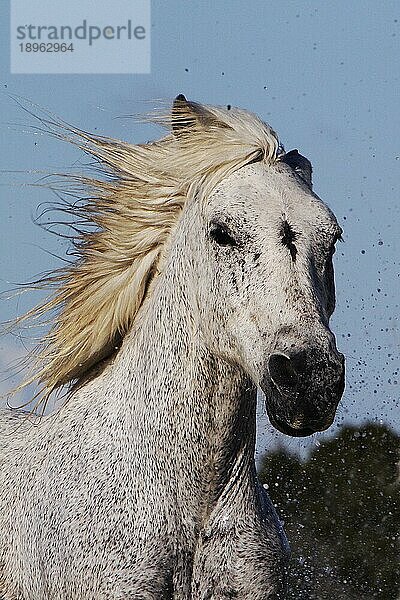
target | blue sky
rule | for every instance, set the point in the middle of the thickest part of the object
(325, 75)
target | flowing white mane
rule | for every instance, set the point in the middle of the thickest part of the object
(130, 214)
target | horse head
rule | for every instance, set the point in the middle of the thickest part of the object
(263, 277)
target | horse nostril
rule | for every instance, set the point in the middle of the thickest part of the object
(300, 362)
(282, 371)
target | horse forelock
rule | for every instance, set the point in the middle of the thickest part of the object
(131, 214)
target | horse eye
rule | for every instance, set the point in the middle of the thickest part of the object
(221, 236)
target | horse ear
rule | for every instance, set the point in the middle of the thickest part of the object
(187, 115)
(300, 164)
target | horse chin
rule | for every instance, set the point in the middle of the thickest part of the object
(293, 425)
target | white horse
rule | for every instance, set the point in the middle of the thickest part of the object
(208, 272)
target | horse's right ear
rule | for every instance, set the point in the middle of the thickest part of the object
(187, 115)
(300, 165)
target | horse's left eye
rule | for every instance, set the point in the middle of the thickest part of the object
(221, 235)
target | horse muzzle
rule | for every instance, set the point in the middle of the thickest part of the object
(303, 389)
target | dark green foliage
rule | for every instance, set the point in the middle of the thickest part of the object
(341, 509)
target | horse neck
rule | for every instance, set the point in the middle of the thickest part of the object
(196, 411)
